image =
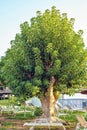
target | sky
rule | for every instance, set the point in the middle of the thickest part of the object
(15, 12)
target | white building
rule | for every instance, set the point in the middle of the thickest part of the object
(78, 100)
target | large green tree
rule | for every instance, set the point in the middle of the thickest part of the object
(47, 56)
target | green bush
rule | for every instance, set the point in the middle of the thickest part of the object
(38, 111)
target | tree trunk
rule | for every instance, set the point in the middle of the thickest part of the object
(48, 102)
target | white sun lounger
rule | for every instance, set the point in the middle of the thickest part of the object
(44, 122)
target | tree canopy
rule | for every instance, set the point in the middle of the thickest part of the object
(46, 47)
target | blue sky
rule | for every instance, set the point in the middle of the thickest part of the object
(15, 12)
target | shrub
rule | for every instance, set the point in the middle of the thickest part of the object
(38, 111)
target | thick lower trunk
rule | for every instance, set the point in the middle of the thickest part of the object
(48, 107)
(48, 102)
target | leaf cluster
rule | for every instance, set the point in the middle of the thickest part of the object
(46, 47)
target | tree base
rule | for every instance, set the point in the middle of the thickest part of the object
(53, 119)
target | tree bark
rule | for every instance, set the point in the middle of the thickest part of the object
(48, 102)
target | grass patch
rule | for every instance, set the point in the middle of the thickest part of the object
(21, 116)
(71, 116)
(4, 102)
(3, 128)
(7, 123)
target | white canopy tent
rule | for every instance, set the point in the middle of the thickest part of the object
(35, 101)
(75, 96)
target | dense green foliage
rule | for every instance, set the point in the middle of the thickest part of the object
(46, 47)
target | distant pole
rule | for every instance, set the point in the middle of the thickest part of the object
(62, 100)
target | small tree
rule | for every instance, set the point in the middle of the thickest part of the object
(46, 57)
